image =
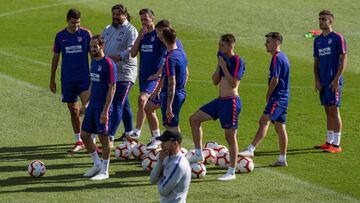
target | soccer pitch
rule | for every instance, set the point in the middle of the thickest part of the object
(36, 125)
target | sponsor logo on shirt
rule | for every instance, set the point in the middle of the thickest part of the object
(73, 49)
(147, 48)
(95, 77)
(325, 51)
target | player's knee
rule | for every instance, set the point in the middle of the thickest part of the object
(74, 111)
(193, 120)
(142, 101)
(149, 108)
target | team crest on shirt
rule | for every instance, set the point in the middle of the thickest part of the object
(329, 41)
(152, 38)
(79, 39)
(99, 68)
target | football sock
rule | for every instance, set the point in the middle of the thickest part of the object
(337, 139)
(198, 152)
(93, 137)
(251, 148)
(156, 133)
(330, 136)
(137, 131)
(95, 157)
(282, 158)
(231, 170)
(105, 166)
(112, 137)
(77, 137)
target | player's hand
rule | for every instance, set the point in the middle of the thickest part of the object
(169, 113)
(53, 86)
(163, 154)
(221, 62)
(142, 32)
(115, 58)
(155, 94)
(335, 85)
(104, 118)
(318, 85)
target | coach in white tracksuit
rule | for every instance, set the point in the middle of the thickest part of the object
(172, 172)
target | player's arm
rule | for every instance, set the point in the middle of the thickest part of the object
(171, 95)
(157, 170)
(216, 75)
(109, 97)
(125, 54)
(86, 102)
(135, 49)
(54, 65)
(273, 83)
(170, 182)
(343, 62)
(187, 74)
(233, 81)
(318, 85)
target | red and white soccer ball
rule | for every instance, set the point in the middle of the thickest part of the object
(153, 152)
(198, 170)
(139, 151)
(209, 156)
(211, 144)
(149, 162)
(223, 160)
(220, 148)
(123, 151)
(36, 168)
(183, 150)
(130, 144)
(244, 165)
(190, 153)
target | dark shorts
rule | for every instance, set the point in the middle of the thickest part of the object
(227, 109)
(91, 122)
(275, 112)
(148, 86)
(71, 90)
(179, 99)
(329, 97)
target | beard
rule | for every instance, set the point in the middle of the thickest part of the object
(95, 53)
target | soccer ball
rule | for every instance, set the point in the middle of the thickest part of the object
(244, 165)
(123, 151)
(36, 168)
(211, 144)
(198, 170)
(209, 156)
(223, 160)
(221, 148)
(149, 162)
(130, 144)
(183, 150)
(189, 154)
(153, 152)
(139, 151)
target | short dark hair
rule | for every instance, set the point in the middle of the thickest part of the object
(146, 11)
(122, 10)
(275, 35)
(169, 35)
(162, 24)
(228, 38)
(73, 13)
(326, 13)
(100, 40)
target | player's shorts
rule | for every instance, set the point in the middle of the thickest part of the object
(91, 122)
(227, 109)
(179, 99)
(71, 90)
(148, 86)
(275, 112)
(329, 97)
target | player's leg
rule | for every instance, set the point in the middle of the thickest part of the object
(173, 123)
(153, 122)
(230, 135)
(336, 125)
(140, 115)
(280, 129)
(74, 110)
(324, 100)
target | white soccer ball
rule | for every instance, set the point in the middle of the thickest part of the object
(221, 148)
(209, 156)
(190, 153)
(149, 162)
(244, 165)
(198, 170)
(223, 160)
(36, 168)
(139, 151)
(123, 151)
(130, 144)
(153, 152)
(211, 144)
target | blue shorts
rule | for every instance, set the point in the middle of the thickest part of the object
(275, 112)
(148, 86)
(179, 99)
(227, 109)
(329, 97)
(91, 122)
(71, 90)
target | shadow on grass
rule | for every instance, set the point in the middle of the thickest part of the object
(309, 150)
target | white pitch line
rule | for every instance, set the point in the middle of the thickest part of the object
(41, 7)
(20, 82)
(22, 58)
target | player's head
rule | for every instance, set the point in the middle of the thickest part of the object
(171, 141)
(73, 19)
(325, 19)
(119, 15)
(97, 43)
(227, 43)
(273, 41)
(147, 17)
(168, 36)
(160, 26)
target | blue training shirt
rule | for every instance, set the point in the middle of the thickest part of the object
(103, 73)
(234, 64)
(175, 65)
(328, 49)
(74, 49)
(152, 51)
(280, 68)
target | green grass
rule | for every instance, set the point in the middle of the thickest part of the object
(35, 124)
